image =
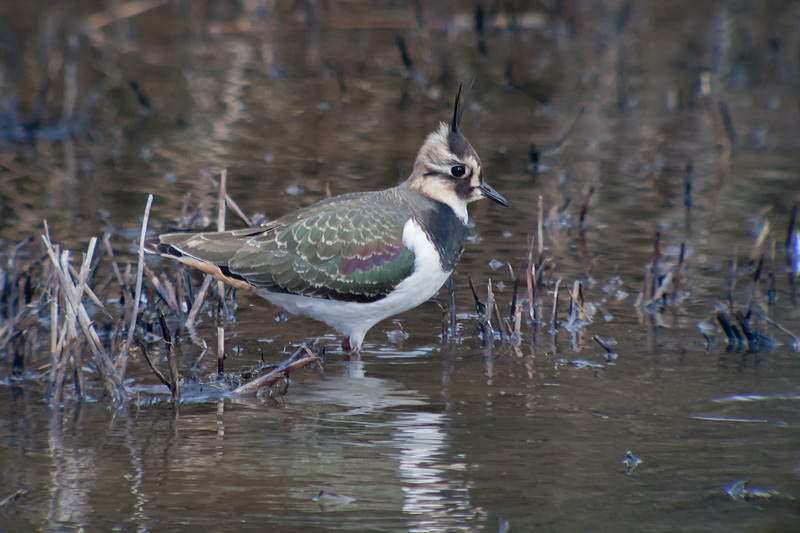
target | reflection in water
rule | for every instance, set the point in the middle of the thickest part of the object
(432, 475)
(436, 492)
(71, 477)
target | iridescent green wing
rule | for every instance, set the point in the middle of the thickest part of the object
(351, 252)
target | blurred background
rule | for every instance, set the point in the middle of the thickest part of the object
(624, 119)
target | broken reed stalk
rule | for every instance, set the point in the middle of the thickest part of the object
(161, 377)
(603, 344)
(516, 310)
(650, 281)
(174, 377)
(678, 274)
(533, 292)
(758, 247)
(540, 229)
(198, 301)
(791, 260)
(554, 313)
(283, 370)
(795, 337)
(89, 292)
(122, 362)
(502, 324)
(220, 350)
(165, 290)
(578, 303)
(113, 259)
(230, 202)
(490, 305)
(731, 282)
(480, 309)
(654, 264)
(222, 203)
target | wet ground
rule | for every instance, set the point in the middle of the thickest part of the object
(682, 118)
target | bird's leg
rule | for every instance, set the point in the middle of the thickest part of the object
(347, 346)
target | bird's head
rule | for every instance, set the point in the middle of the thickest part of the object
(448, 168)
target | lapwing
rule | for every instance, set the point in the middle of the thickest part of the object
(356, 259)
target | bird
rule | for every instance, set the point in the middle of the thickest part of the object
(353, 260)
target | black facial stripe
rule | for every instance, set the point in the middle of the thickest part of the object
(464, 189)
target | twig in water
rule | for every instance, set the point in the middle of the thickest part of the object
(13, 497)
(795, 338)
(283, 370)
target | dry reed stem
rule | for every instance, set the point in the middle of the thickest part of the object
(122, 362)
(77, 312)
(539, 229)
(230, 202)
(490, 304)
(758, 247)
(113, 260)
(554, 313)
(160, 375)
(222, 203)
(198, 301)
(90, 293)
(220, 349)
(165, 290)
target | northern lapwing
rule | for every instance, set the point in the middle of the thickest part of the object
(356, 259)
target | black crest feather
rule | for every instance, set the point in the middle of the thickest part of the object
(457, 112)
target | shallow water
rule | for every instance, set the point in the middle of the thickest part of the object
(426, 434)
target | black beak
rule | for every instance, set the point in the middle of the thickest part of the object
(492, 194)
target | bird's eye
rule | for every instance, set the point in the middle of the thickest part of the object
(457, 171)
